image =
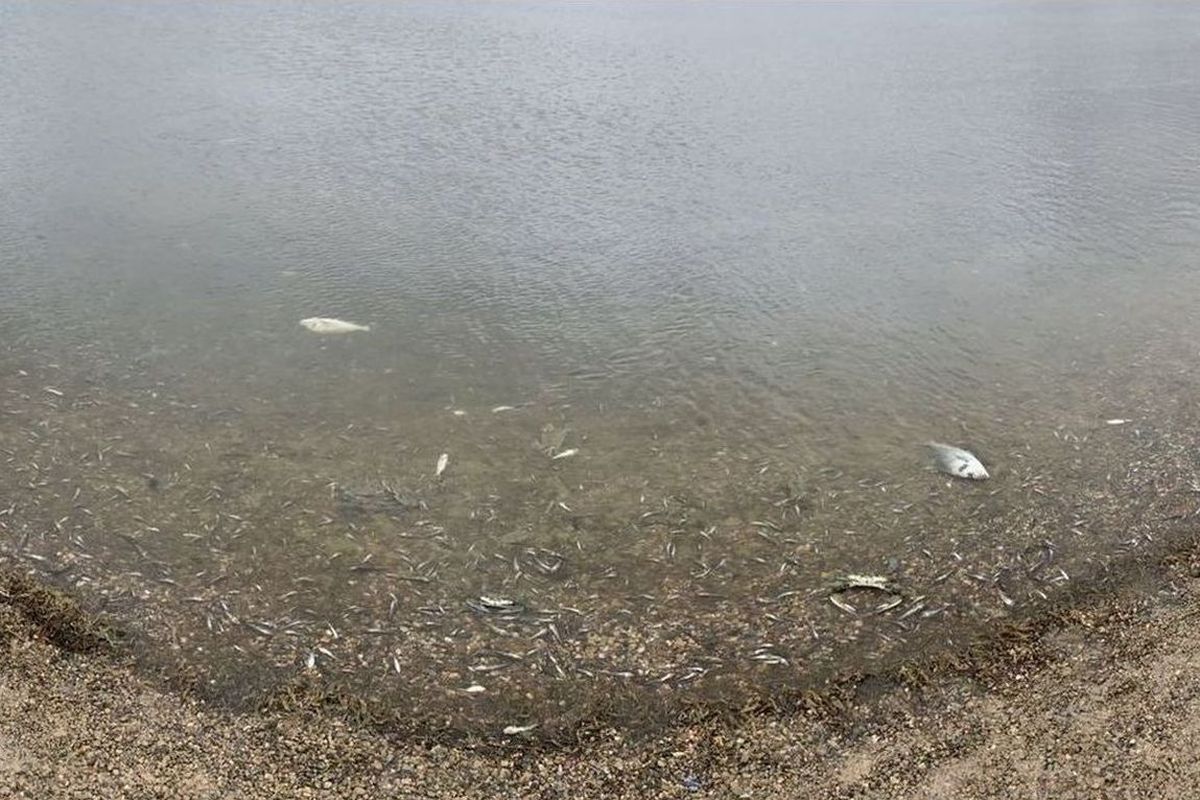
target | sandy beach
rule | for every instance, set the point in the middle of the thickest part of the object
(1096, 700)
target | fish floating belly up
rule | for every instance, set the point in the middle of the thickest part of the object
(957, 462)
(331, 325)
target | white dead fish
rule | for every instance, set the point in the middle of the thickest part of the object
(499, 409)
(565, 454)
(329, 325)
(957, 462)
(1116, 421)
(474, 688)
(880, 582)
(442, 461)
(513, 730)
(496, 603)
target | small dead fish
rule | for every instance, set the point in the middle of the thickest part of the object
(879, 582)
(565, 454)
(1116, 421)
(957, 462)
(842, 604)
(329, 325)
(888, 605)
(499, 409)
(442, 461)
(474, 688)
(498, 603)
(513, 730)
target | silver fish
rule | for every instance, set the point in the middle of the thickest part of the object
(329, 325)
(957, 462)
(880, 582)
(442, 461)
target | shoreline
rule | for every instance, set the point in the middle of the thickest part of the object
(1119, 655)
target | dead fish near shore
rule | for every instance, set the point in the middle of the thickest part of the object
(957, 462)
(329, 325)
(878, 582)
(443, 460)
(495, 605)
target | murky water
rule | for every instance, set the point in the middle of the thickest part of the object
(739, 260)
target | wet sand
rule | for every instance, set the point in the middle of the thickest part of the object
(1096, 699)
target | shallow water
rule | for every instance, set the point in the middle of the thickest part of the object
(743, 259)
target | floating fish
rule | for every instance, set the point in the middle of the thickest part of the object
(331, 325)
(1117, 421)
(499, 409)
(442, 461)
(513, 730)
(957, 462)
(565, 454)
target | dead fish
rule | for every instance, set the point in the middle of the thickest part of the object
(513, 730)
(957, 462)
(497, 603)
(842, 604)
(888, 605)
(329, 325)
(880, 582)
(1116, 421)
(565, 454)
(499, 409)
(442, 461)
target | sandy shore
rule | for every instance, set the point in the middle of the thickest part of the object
(1101, 701)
